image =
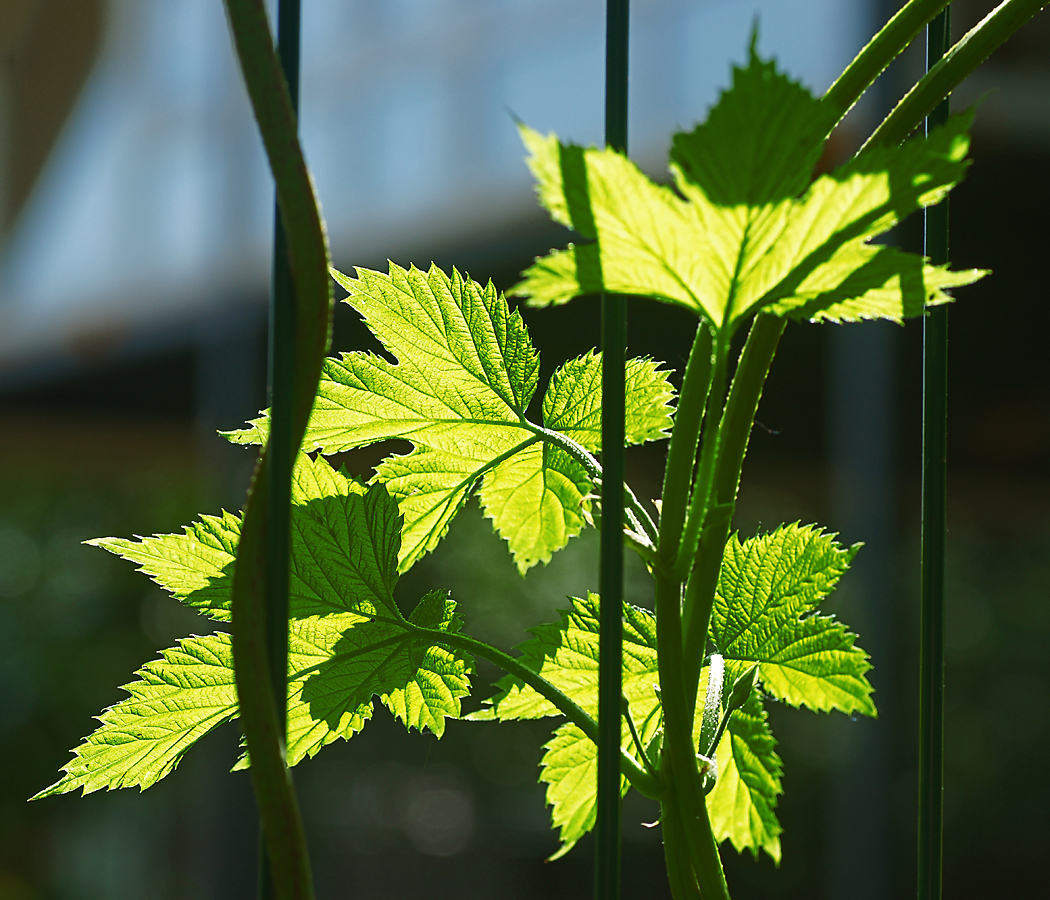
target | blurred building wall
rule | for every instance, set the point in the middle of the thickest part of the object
(155, 205)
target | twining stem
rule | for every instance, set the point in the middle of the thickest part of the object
(307, 248)
(681, 454)
(878, 53)
(971, 50)
(701, 501)
(734, 432)
(646, 783)
(274, 792)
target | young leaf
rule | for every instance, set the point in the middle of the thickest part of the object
(764, 612)
(348, 641)
(748, 235)
(573, 402)
(566, 654)
(742, 802)
(569, 768)
(465, 374)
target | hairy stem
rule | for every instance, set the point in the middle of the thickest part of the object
(879, 52)
(307, 248)
(678, 762)
(973, 49)
(635, 774)
(681, 454)
(734, 432)
(701, 500)
(712, 703)
(676, 854)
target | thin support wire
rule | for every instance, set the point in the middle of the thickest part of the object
(934, 527)
(281, 394)
(614, 330)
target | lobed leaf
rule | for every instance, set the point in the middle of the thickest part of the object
(565, 653)
(764, 612)
(742, 803)
(348, 641)
(747, 233)
(465, 372)
(178, 699)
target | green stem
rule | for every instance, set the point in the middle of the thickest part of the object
(706, 861)
(646, 784)
(879, 52)
(300, 210)
(734, 433)
(679, 868)
(681, 454)
(274, 792)
(308, 257)
(625, 708)
(678, 763)
(700, 501)
(973, 49)
(577, 451)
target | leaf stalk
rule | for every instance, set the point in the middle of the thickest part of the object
(646, 783)
(879, 52)
(734, 433)
(681, 453)
(970, 51)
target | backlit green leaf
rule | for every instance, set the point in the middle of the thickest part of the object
(464, 376)
(348, 641)
(573, 402)
(196, 566)
(565, 653)
(742, 803)
(569, 768)
(764, 612)
(177, 700)
(747, 230)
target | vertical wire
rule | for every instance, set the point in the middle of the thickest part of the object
(934, 527)
(280, 390)
(610, 649)
(281, 366)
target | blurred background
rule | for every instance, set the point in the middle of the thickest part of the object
(136, 213)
